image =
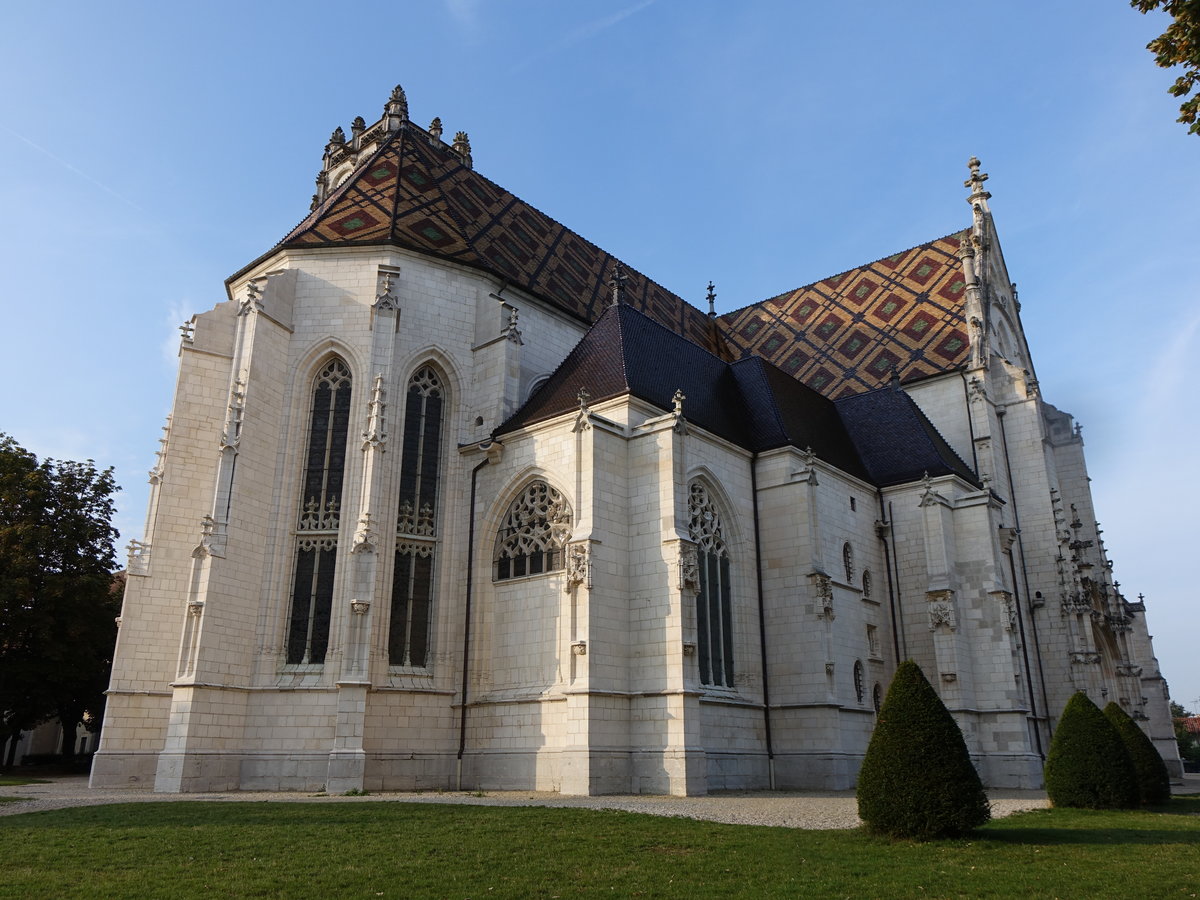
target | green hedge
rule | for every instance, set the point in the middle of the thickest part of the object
(917, 779)
(1088, 766)
(1154, 784)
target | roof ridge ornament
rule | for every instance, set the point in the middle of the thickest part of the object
(462, 146)
(617, 283)
(395, 111)
(978, 197)
(435, 128)
(711, 297)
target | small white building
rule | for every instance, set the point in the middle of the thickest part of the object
(451, 497)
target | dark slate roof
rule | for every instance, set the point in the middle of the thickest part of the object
(881, 436)
(849, 333)
(895, 440)
(626, 352)
(785, 412)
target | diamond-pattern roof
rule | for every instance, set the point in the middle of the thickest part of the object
(416, 192)
(847, 334)
(898, 316)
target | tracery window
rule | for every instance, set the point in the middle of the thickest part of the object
(859, 686)
(714, 601)
(848, 562)
(534, 532)
(417, 520)
(320, 515)
(866, 594)
(877, 697)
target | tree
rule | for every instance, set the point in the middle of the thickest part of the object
(917, 779)
(1088, 766)
(57, 596)
(1179, 45)
(1189, 746)
(1153, 781)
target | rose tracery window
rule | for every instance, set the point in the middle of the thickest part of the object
(533, 534)
(319, 516)
(714, 602)
(416, 521)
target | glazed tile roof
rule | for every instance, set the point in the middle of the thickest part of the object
(901, 315)
(881, 436)
(416, 192)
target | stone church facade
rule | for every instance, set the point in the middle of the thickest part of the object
(449, 497)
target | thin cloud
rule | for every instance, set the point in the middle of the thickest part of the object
(584, 33)
(178, 313)
(66, 165)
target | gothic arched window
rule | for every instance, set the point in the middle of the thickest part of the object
(714, 601)
(859, 686)
(534, 531)
(848, 562)
(417, 520)
(866, 595)
(319, 516)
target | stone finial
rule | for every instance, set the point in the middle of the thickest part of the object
(358, 126)
(617, 283)
(462, 146)
(677, 401)
(711, 297)
(979, 197)
(397, 105)
(338, 137)
(435, 127)
(583, 397)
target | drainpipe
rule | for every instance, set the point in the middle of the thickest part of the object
(884, 529)
(466, 664)
(762, 625)
(1037, 728)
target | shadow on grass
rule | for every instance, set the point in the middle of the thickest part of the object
(1165, 824)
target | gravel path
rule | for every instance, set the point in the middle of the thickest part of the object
(785, 809)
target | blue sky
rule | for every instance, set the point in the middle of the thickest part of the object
(148, 150)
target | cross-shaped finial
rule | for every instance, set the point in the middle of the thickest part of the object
(712, 299)
(977, 178)
(617, 283)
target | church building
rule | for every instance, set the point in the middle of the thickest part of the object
(449, 497)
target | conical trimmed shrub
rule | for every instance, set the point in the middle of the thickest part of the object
(917, 780)
(1154, 784)
(1088, 766)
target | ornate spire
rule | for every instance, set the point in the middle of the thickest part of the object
(617, 283)
(396, 109)
(462, 146)
(712, 299)
(979, 197)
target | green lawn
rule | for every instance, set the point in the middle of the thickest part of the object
(16, 780)
(378, 849)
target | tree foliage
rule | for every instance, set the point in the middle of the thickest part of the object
(1179, 45)
(1189, 746)
(1153, 781)
(58, 597)
(917, 779)
(1088, 766)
